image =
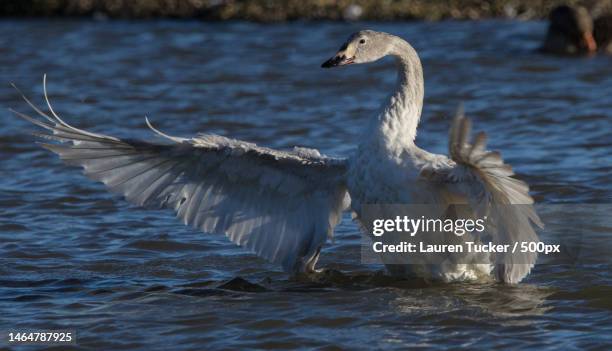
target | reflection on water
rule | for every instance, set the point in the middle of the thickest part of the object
(74, 256)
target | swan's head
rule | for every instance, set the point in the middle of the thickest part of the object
(576, 26)
(362, 47)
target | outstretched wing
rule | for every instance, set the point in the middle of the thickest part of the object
(487, 184)
(279, 205)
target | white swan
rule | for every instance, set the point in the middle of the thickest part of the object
(282, 205)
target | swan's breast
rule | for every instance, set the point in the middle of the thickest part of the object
(379, 177)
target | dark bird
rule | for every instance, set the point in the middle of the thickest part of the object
(572, 31)
(602, 32)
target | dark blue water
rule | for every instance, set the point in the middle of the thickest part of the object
(73, 256)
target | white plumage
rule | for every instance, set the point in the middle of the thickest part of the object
(283, 205)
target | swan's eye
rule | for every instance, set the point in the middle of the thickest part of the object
(362, 41)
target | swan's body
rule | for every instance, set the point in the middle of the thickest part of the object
(284, 205)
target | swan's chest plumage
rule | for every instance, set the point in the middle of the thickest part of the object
(376, 176)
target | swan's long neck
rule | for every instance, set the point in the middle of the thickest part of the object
(397, 123)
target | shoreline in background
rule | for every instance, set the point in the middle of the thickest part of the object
(279, 11)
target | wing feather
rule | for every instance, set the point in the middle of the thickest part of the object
(280, 205)
(489, 187)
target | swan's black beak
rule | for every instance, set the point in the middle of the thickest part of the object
(339, 60)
